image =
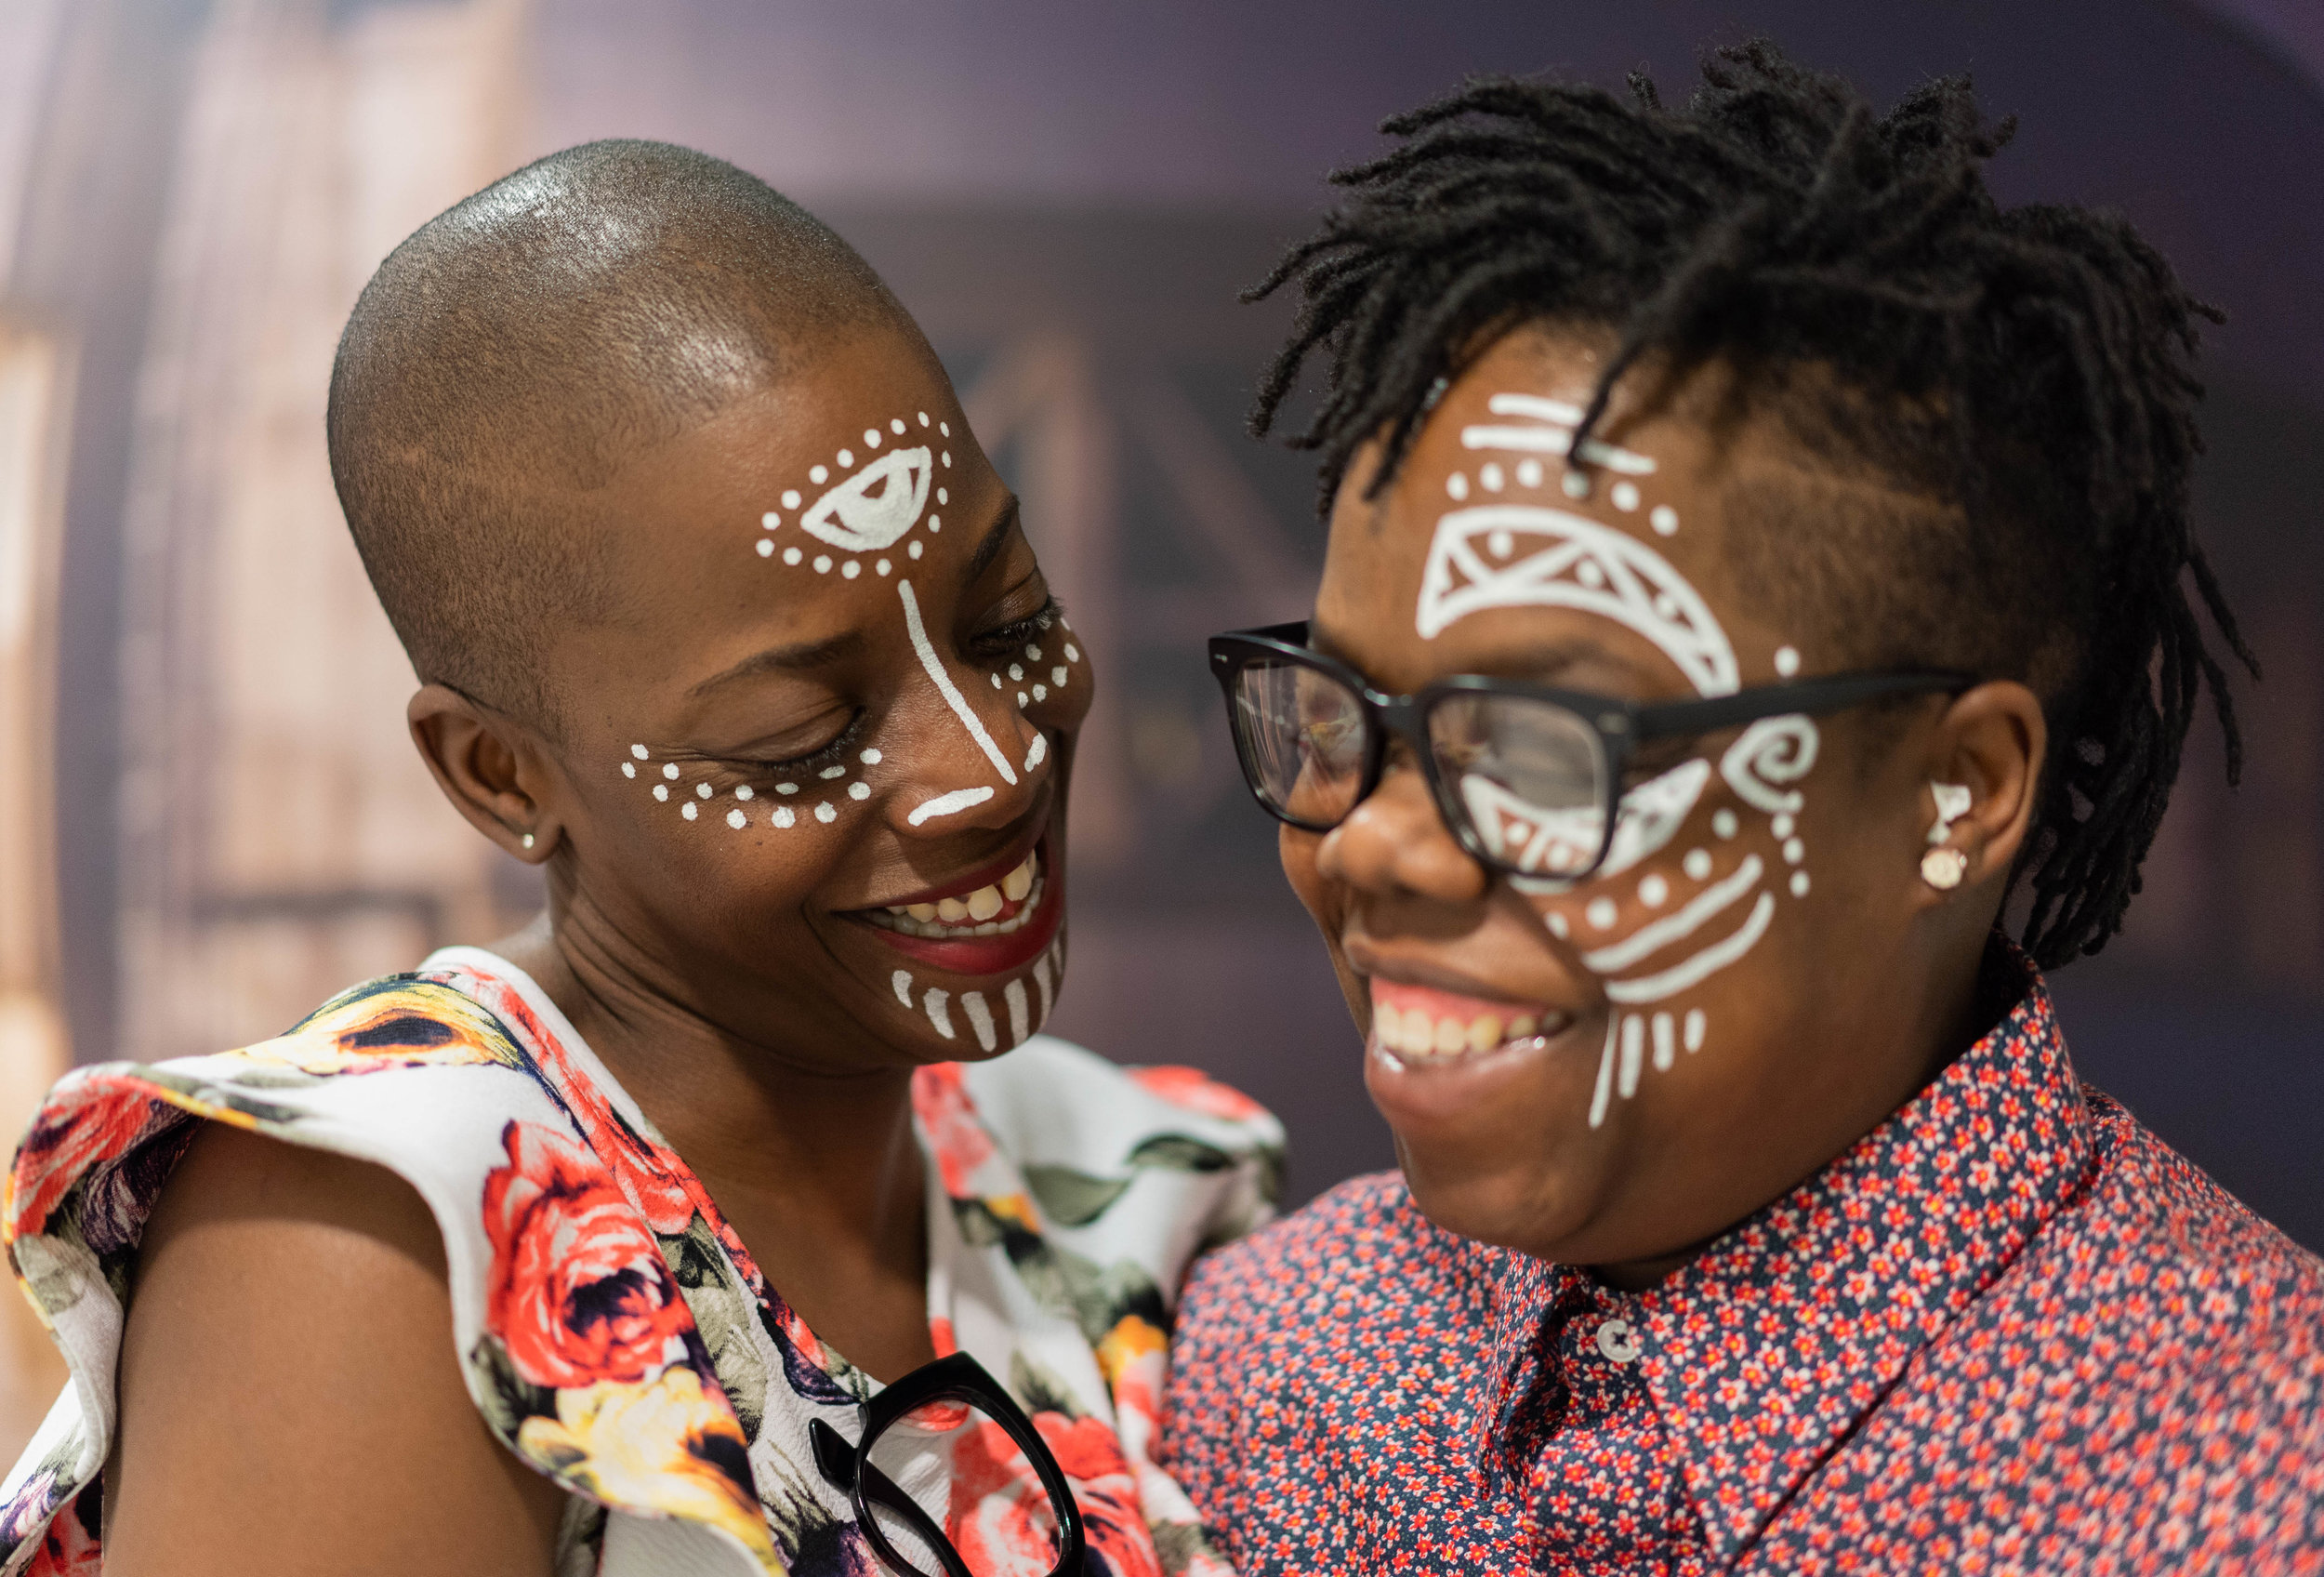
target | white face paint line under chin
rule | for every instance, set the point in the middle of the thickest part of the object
(980, 1019)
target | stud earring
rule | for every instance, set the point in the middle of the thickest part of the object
(1952, 803)
(1942, 869)
(528, 840)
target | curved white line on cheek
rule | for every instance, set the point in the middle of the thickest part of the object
(948, 805)
(1649, 940)
(1038, 753)
(902, 981)
(1711, 960)
(960, 704)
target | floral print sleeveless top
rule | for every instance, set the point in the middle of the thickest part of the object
(613, 1330)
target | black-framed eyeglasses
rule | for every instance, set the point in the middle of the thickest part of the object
(936, 1425)
(1527, 778)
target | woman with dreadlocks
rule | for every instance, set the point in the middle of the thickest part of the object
(1754, 555)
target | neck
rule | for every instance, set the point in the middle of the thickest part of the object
(794, 1156)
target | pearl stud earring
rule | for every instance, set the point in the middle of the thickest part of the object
(528, 840)
(1942, 869)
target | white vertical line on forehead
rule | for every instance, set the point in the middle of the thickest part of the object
(953, 697)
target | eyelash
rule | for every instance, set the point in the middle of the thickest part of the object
(993, 642)
(1000, 642)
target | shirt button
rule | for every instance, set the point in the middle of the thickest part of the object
(1618, 1341)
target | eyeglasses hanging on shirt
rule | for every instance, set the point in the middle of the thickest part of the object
(952, 1479)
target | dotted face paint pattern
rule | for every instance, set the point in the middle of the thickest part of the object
(1666, 940)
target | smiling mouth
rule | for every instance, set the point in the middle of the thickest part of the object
(1421, 1025)
(994, 909)
(992, 927)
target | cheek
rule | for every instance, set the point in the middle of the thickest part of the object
(1674, 938)
(1049, 678)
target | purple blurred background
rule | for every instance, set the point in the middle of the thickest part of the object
(1069, 196)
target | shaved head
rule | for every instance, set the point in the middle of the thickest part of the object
(509, 358)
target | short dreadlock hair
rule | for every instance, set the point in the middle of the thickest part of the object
(2023, 376)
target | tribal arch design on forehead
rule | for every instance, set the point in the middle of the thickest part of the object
(1525, 555)
(1518, 554)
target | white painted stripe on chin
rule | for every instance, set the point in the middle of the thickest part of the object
(1671, 982)
(947, 804)
(902, 981)
(1041, 981)
(938, 1016)
(960, 704)
(979, 1018)
(1633, 1045)
(1018, 1027)
(1605, 1092)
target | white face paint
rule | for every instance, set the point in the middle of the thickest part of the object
(1517, 554)
(868, 510)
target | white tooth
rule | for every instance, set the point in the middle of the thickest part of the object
(1412, 1034)
(1018, 883)
(1388, 1025)
(984, 902)
(987, 929)
(921, 911)
(1450, 1038)
(896, 908)
(1485, 1033)
(1521, 1027)
(951, 909)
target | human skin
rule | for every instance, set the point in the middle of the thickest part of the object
(726, 976)
(1863, 986)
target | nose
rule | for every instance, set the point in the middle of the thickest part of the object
(1397, 841)
(984, 759)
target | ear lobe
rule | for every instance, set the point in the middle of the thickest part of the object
(1984, 774)
(489, 768)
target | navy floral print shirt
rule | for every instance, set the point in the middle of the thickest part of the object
(2009, 1330)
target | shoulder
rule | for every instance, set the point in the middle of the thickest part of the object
(2184, 1317)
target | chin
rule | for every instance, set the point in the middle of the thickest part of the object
(1509, 1206)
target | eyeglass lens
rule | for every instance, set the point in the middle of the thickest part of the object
(968, 1477)
(1530, 776)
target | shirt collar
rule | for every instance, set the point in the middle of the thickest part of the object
(1767, 1349)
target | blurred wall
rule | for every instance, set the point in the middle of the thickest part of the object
(209, 812)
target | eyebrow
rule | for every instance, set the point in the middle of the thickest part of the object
(1547, 660)
(785, 659)
(989, 549)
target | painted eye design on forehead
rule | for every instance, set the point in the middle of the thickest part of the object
(1655, 937)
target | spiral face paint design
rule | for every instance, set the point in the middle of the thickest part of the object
(1653, 940)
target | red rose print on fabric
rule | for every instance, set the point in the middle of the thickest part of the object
(65, 1142)
(579, 1291)
(940, 1099)
(1195, 1090)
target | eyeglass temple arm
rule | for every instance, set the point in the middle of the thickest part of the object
(839, 1463)
(1814, 697)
